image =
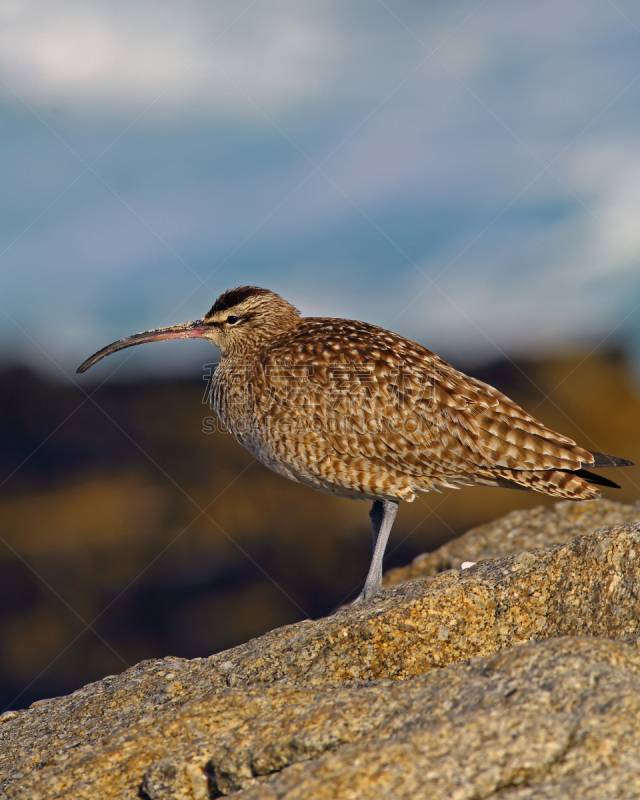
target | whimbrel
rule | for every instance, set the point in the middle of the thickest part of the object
(356, 410)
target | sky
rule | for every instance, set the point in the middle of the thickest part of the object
(465, 173)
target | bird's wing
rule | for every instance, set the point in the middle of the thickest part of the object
(396, 403)
(497, 432)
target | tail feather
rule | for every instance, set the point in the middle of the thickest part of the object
(577, 484)
(603, 460)
(598, 480)
(556, 482)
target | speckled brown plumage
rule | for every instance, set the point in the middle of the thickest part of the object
(356, 410)
(353, 409)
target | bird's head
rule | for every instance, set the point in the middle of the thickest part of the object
(240, 321)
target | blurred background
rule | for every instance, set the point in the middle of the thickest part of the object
(465, 173)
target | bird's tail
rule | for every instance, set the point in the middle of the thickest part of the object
(603, 460)
(556, 482)
(576, 484)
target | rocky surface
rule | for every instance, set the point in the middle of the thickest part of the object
(537, 694)
(515, 532)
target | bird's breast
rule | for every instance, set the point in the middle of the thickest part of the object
(249, 413)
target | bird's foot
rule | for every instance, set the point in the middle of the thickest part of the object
(367, 593)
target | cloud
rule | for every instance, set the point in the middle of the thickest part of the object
(527, 289)
(113, 57)
(508, 160)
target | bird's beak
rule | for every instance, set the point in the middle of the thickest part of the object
(187, 330)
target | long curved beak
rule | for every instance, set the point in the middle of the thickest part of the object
(187, 330)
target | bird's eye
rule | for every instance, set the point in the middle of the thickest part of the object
(232, 319)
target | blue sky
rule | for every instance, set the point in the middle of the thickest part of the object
(466, 173)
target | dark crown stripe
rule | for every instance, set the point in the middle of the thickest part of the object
(232, 297)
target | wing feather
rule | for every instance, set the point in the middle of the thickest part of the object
(372, 395)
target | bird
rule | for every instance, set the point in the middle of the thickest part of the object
(350, 408)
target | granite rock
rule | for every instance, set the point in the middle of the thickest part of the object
(537, 694)
(515, 532)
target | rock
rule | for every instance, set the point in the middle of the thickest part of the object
(515, 532)
(537, 695)
(555, 719)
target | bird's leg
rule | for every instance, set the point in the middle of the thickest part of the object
(383, 513)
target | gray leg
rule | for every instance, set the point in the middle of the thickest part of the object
(383, 513)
